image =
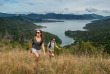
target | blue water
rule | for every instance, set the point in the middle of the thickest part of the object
(59, 28)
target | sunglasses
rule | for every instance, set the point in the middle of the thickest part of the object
(53, 40)
(38, 32)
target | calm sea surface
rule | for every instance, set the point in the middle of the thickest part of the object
(59, 28)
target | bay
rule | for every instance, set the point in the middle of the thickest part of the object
(59, 28)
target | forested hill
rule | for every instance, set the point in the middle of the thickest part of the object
(98, 31)
(98, 24)
(21, 31)
(17, 18)
(15, 27)
(64, 16)
(56, 16)
(26, 19)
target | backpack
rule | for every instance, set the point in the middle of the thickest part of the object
(50, 44)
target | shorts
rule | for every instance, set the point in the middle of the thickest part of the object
(35, 50)
(51, 49)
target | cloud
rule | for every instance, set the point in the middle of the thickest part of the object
(91, 10)
(66, 9)
(106, 11)
(57, 6)
(1, 4)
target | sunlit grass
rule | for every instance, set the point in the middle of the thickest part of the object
(18, 61)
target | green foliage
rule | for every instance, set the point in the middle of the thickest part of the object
(20, 33)
(57, 51)
(27, 46)
(15, 27)
(83, 48)
(102, 36)
(98, 34)
(16, 44)
(48, 37)
(98, 24)
(88, 48)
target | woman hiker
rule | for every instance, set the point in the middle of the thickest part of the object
(36, 44)
(50, 47)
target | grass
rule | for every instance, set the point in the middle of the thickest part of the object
(18, 61)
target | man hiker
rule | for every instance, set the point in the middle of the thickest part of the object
(50, 47)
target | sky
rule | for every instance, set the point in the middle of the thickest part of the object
(101, 7)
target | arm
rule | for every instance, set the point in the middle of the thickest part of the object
(58, 47)
(43, 48)
(31, 46)
(47, 49)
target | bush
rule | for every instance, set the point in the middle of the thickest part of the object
(83, 48)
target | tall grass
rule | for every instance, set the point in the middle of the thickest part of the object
(19, 61)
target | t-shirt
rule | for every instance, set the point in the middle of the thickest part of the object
(52, 46)
(36, 44)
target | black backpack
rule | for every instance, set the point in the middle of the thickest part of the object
(50, 44)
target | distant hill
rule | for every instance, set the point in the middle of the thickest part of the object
(15, 27)
(17, 18)
(20, 30)
(56, 16)
(6, 15)
(21, 18)
(64, 16)
(98, 24)
(98, 31)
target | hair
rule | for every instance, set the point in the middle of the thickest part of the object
(42, 35)
(52, 38)
(50, 41)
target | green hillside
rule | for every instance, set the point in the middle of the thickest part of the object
(98, 31)
(98, 34)
(98, 24)
(15, 27)
(21, 31)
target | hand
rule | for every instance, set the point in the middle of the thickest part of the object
(44, 54)
(59, 48)
(47, 51)
(30, 51)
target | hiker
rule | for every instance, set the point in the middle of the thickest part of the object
(50, 47)
(36, 44)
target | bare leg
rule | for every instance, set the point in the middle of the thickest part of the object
(51, 54)
(37, 56)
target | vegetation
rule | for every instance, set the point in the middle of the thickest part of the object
(98, 34)
(98, 24)
(56, 16)
(102, 36)
(21, 31)
(64, 16)
(70, 61)
(82, 57)
(21, 18)
(15, 27)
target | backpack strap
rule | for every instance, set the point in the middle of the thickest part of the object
(54, 43)
(50, 44)
(34, 39)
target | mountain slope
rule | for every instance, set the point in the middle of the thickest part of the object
(22, 31)
(98, 31)
(98, 24)
(63, 16)
(15, 27)
(56, 16)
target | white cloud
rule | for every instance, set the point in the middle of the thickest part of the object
(91, 9)
(58, 6)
